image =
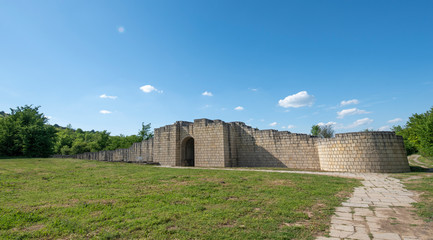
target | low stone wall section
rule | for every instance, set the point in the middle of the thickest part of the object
(141, 152)
(363, 152)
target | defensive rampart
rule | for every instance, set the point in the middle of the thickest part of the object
(214, 143)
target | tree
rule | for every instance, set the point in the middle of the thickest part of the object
(315, 130)
(25, 132)
(418, 133)
(145, 132)
(409, 146)
(324, 131)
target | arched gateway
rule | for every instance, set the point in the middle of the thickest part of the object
(187, 152)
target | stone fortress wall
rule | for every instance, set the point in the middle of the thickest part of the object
(214, 143)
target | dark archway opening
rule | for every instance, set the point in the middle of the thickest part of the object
(188, 153)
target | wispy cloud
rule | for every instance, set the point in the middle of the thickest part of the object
(104, 112)
(121, 29)
(239, 108)
(395, 120)
(300, 99)
(326, 124)
(351, 111)
(348, 102)
(253, 89)
(273, 124)
(206, 93)
(149, 88)
(384, 128)
(106, 96)
(288, 127)
(360, 122)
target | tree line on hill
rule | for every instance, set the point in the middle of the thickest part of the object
(26, 132)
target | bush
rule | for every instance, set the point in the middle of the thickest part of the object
(418, 133)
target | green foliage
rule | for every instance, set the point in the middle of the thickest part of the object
(325, 131)
(77, 199)
(70, 141)
(315, 130)
(409, 145)
(25, 133)
(418, 133)
(145, 132)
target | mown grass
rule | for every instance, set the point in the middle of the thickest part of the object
(67, 198)
(421, 180)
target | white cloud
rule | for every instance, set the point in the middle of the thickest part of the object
(48, 117)
(351, 111)
(290, 126)
(149, 88)
(360, 122)
(273, 124)
(104, 112)
(326, 124)
(239, 108)
(206, 93)
(253, 89)
(395, 120)
(106, 96)
(384, 128)
(348, 102)
(300, 99)
(121, 29)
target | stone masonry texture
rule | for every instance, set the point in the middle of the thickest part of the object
(234, 144)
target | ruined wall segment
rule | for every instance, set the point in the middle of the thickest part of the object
(363, 152)
(272, 148)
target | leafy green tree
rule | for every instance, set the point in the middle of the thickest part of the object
(409, 146)
(315, 130)
(25, 132)
(145, 132)
(324, 131)
(418, 133)
(9, 141)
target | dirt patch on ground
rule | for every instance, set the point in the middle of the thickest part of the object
(30, 228)
(406, 222)
(281, 182)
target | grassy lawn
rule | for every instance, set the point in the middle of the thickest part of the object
(421, 181)
(68, 198)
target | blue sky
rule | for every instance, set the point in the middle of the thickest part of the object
(284, 65)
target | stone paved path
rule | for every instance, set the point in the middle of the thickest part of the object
(373, 210)
(380, 209)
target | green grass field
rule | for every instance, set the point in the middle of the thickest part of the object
(67, 198)
(421, 181)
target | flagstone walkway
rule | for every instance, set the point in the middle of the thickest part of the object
(380, 209)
